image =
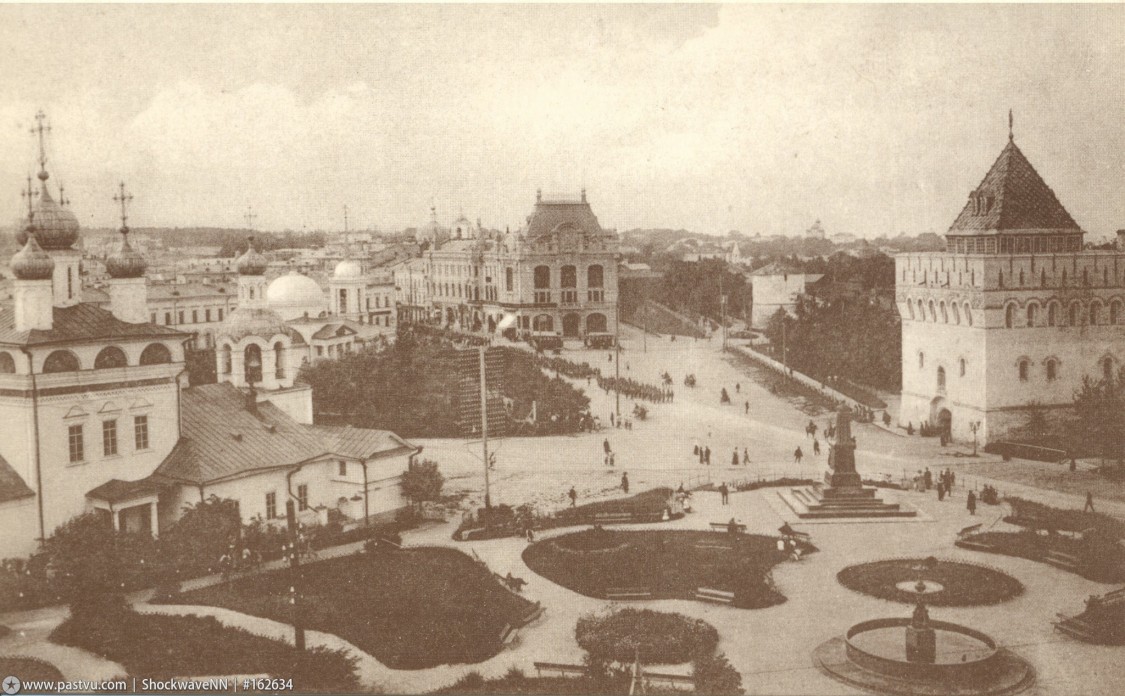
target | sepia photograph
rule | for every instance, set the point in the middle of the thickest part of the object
(555, 349)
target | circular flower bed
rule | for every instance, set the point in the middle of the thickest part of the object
(658, 637)
(961, 584)
(30, 669)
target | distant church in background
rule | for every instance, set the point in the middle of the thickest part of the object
(1012, 315)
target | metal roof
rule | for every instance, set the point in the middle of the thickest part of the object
(80, 322)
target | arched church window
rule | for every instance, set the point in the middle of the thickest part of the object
(933, 311)
(944, 314)
(61, 361)
(956, 314)
(279, 360)
(1072, 315)
(156, 354)
(1095, 313)
(1114, 311)
(1024, 369)
(1032, 314)
(968, 314)
(1010, 316)
(961, 367)
(1052, 313)
(7, 363)
(110, 356)
(921, 359)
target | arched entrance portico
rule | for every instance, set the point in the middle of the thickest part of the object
(942, 417)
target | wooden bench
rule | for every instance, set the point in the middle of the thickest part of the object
(713, 546)
(508, 634)
(613, 517)
(726, 527)
(619, 593)
(710, 594)
(1078, 628)
(972, 528)
(534, 613)
(974, 545)
(389, 543)
(560, 668)
(788, 532)
(672, 679)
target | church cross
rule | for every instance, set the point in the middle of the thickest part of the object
(40, 129)
(250, 217)
(30, 195)
(123, 198)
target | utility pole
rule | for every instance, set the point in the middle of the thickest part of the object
(484, 427)
(783, 360)
(617, 352)
(294, 574)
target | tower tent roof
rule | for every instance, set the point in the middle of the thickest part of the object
(1014, 199)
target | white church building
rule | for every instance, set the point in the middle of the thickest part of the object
(1012, 315)
(95, 412)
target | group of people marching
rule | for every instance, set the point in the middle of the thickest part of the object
(636, 390)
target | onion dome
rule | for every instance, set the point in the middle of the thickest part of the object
(55, 226)
(348, 269)
(127, 262)
(252, 263)
(31, 262)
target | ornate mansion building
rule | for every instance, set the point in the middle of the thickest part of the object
(557, 275)
(1013, 315)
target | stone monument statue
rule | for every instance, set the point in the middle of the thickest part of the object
(841, 455)
(921, 639)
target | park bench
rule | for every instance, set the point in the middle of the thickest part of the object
(532, 614)
(613, 517)
(1062, 560)
(619, 593)
(560, 668)
(508, 634)
(973, 544)
(710, 594)
(971, 529)
(671, 679)
(713, 546)
(467, 534)
(725, 527)
(389, 543)
(788, 532)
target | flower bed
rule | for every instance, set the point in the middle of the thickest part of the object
(962, 584)
(411, 609)
(1099, 558)
(671, 564)
(29, 669)
(590, 541)
(160, 647)
(656, 637)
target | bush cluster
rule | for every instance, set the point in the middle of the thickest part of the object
(657, 637)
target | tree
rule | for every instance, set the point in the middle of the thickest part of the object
(422, 482)
(714, 675)
(201, 536)
(1101, 420)
(200, 365)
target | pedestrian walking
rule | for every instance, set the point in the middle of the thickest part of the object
(737, 387)
(941, 491)
(725, 493)
(612, 457)
(611, 421)
(1089, 502)
(625, 481)
(745, 457)
(971, 503)
(797, 454)
(928, 478)
(816, 447)
(707, 456)
(573, 495)
(605, 445)
(530, 536)
(734, 457)
(748, 408)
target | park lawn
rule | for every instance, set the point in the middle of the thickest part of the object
(411, 609)
(1045, 475)
(160, 647)
(668, 563)
(29, 669)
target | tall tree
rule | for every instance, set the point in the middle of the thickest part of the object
(1099, 406)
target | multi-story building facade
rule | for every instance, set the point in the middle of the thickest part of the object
(1012, 316)
(557, 275)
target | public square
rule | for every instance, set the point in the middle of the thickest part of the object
(772, 647)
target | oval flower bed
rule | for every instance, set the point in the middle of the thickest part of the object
(961, 584)
(656, 637)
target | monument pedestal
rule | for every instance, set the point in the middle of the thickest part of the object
(921, 645)
(843, 494)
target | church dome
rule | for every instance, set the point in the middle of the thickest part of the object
(252, 263)
(31, 262)
(127, 262)
(247, 321)
(348, 269)
(55, 226)
(294, 295)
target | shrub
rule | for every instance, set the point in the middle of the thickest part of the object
(658, 637)
(715, 676)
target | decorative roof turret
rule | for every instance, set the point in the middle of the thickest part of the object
(252, 263)
(31, 262)
(127, 262)
(56, 226)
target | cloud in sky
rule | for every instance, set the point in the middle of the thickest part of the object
(875, 119)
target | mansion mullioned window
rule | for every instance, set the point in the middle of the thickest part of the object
(140, 432)
(74, 443)
(109, 438)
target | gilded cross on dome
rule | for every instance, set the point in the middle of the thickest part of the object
(30, 194)
(123, 198)
(40, 128)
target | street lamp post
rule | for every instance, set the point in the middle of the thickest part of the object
(974, 426)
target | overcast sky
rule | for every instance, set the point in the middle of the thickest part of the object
(876, 120)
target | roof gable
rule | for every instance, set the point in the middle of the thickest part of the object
(1014, 198)
(12, 485)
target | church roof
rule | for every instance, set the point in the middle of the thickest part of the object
(1016, 199)
(80, 322)
(12, 486)
(221, 438)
